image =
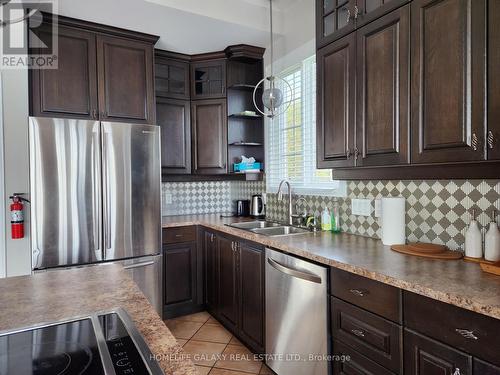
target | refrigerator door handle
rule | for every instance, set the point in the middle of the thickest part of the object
(137, 265)
(96, 192)
(105, 195)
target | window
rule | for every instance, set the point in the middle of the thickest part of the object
(291, 137)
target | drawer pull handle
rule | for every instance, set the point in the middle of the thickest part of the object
(457, 371)
(358, 332)
(358, 292)
(467, 334)
(178, 235)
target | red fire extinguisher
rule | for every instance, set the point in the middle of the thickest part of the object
(17, 216)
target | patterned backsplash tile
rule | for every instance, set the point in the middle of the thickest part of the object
(436, 211)
(185, 198)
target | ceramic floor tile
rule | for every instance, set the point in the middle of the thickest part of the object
(221, 371)
(266, 370)
(235, 341)
(200, 317)
(183, 330)
(212, 320)
(181, 342)
(239, 358)
(213, 333)
(203, 353)
(202, 370)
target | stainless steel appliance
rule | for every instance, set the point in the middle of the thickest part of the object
(257, 208)
(100, 344)
(296, 315)
(95, 195)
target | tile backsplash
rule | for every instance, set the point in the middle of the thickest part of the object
(436, 211)
(185, 198)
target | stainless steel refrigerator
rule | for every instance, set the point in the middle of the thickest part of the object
(95, 197)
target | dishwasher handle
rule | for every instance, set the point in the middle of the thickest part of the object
(293, 272)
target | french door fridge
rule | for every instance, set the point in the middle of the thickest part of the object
(95, 193)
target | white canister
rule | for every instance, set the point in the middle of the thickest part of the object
(492, 241)
(473, 239)
(393, 221)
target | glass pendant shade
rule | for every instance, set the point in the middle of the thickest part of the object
(272, 99)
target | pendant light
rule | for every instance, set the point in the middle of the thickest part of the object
(272, 96)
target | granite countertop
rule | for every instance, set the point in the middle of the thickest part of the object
(59, 295)
(459, 283)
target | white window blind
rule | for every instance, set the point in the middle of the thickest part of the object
(291, 137)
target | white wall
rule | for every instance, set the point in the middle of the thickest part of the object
(16, 158)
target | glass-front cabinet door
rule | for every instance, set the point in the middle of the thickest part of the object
(335, 18)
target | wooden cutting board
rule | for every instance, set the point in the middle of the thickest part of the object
(428, 250)
(490, 267)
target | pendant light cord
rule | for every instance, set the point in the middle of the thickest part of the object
(272, 38)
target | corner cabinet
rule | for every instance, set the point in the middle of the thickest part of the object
(103, 74)
(208, 79)
(363, 95)
(209, 132)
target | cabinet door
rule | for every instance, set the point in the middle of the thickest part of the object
(484, 368)
(211, 272)
(383, 90)
(126, 86)
(173, 116)
(369, 10)
(335, 105)
(209, 132)
(208, 79)
(334, 19)
(180, 278)
(424, 356)
(494, 80)
(357, 364)
(171, 78)
(447, 72)
(71, 89)
(251, 287)
(228, 299)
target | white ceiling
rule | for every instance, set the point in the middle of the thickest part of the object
(187, 26)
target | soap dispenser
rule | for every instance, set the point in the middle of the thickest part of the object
(473, 239)
(492, 241)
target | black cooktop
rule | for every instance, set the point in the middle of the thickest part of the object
(98, 345)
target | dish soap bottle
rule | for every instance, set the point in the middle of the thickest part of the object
(335, 216)
(492, 241)
(473, 239)
(326, 220)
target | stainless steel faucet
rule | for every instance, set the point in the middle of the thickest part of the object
(280, 198)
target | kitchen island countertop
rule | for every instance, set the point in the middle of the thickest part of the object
(458, 283)
(60, 295)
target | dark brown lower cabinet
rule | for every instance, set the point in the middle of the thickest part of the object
(234, 287)
(424, 356)
(180, 291)
(347, 361)
(251, 286)
(484, 368)
(228, 290)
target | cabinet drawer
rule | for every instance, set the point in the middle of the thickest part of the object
(425, 356)
(179, 234)
(471, 332)
(381, 299)
(357, 364)
(377, 338)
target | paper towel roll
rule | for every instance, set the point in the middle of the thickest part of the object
(393, 221)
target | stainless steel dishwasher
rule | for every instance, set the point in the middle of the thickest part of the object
(296, 315)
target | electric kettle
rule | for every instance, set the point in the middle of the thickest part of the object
(257, 209)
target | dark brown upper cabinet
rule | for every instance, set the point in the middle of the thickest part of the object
(174, 118)
(448, 80)
(126, 84)
(103, 73)
(71, 89)
(209, 136)
(382, 121)
(208, 79)
(336, 69)
(493, 135)
(171, 75)
(336, 18)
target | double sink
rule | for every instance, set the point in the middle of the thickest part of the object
(269, 228)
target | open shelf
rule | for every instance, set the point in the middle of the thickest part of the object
(242, 87)
(246, 144)
(253, 117)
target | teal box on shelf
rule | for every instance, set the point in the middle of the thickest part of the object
(242, 167)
